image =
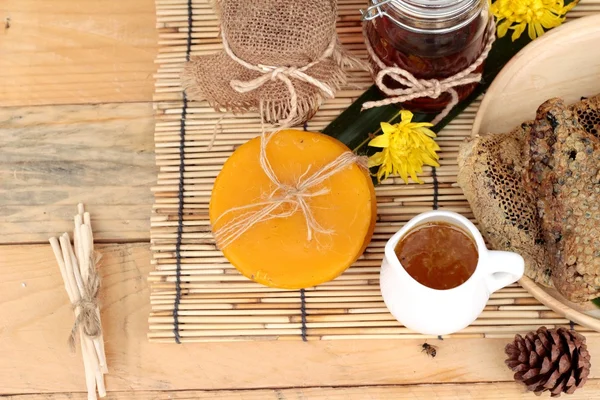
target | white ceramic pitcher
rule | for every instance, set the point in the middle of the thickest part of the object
(441, 312)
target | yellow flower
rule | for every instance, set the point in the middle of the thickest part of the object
(407, 146)
(535, 15)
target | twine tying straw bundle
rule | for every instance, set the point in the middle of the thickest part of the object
(432, 88)
(81, 280)
(87, 306)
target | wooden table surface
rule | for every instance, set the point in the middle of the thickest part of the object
(76, 125)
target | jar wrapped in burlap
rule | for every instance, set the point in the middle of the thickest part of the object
(280, 56)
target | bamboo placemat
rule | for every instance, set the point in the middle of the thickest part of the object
(197, 296)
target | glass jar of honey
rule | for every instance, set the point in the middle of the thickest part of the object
(430, 39)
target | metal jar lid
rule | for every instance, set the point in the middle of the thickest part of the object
(425, 16)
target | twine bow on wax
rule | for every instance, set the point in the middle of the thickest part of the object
(296, 196)
(85, 308)
(432, 88)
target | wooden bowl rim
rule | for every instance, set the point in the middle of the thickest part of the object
(512, 68)
(555, 304)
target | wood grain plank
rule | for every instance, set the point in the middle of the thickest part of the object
(35, 319)
(73, 52)
(52, 157)
(465, 391)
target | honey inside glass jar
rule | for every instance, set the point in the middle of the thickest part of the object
(431, 39)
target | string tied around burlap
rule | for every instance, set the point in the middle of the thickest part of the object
(85, 308)
(284, 74)
(296, 196)
(432, 88)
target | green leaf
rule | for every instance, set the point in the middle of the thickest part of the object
(596, 302)
(354, 128)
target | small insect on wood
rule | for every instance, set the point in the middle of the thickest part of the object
(429, 349)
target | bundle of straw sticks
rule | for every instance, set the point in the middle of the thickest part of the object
(78, 269)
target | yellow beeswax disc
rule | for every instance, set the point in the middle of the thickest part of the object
(277, 252)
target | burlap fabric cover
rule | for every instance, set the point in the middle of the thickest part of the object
(278, 33)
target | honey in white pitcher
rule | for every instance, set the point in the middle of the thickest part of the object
(438, 255)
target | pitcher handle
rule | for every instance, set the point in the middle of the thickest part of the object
(503, 268)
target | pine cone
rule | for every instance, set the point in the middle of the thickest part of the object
(549, 359)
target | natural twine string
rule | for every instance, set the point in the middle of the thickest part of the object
(218, 126)
(87, 305)
(284, 74)
(296, 196)
(432, 88)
